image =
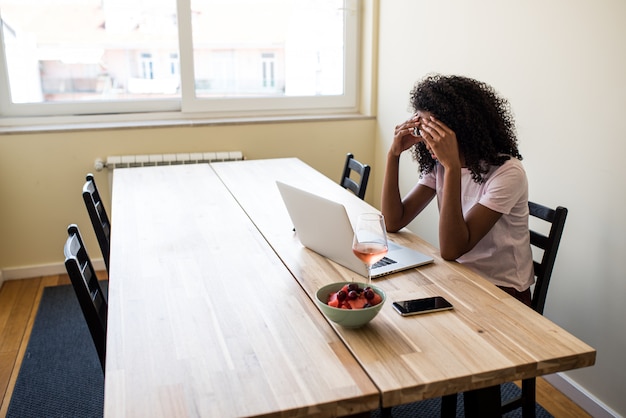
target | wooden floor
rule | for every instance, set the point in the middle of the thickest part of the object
(19, 300)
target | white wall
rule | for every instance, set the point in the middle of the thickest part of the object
(562, 65)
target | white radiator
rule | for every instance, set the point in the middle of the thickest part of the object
(125, 161)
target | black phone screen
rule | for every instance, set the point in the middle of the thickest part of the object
(417, 306)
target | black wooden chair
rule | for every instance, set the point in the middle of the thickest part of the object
(363, 173)
(549, 244)
(87, 288)
(546, 246)
(98, 216)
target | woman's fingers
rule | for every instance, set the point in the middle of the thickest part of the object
(404, 136)
(433, 130)
(409, 127)
(437, 127)
(440, 141)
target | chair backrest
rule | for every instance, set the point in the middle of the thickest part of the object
(550, 245)
(362, 170)
(98, 216)
(87, 288)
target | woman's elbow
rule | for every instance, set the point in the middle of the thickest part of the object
(450, 254)
(393, 226)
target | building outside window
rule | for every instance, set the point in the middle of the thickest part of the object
(63, 57)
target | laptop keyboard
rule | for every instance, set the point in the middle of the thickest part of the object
(385, 261)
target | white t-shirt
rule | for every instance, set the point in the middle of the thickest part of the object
(503, 255)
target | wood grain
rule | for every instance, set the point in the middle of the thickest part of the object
(204, 319)
(489, 338)
(14, 292)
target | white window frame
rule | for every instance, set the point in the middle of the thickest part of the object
(268, 61)
(190, 106)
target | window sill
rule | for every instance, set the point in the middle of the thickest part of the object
(65, 124)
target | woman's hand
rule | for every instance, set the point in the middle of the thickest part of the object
(404, 137)
(441, 142)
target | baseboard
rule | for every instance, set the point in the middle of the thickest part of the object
(42, 270)
(580, 396)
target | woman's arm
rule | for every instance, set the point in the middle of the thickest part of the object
(398, 212)
(458, 234)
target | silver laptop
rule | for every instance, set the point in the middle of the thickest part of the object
(324, 227)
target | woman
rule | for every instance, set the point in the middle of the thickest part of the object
(462, 135)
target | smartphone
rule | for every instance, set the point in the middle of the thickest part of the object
(419, 306)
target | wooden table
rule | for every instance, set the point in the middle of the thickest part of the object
(211, 310)
(488, 339)
(204, 319)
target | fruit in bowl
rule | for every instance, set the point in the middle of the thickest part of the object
(349, 304)
(353, 296)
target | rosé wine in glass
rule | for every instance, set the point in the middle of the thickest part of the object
(369, 252)
(370, 240)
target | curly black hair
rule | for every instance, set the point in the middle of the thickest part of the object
(482, 120)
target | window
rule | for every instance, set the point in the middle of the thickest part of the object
(269, 80)
(221, 57)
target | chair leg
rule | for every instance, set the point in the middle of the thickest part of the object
(483, 403)
(448, 406)
(528, 398)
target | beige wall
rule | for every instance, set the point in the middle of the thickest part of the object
(41, 175)
(561, 63)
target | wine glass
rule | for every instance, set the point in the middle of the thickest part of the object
(370, 240)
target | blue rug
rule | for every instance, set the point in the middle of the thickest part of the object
(61, 376)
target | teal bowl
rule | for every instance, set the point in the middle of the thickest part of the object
(348, 318)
